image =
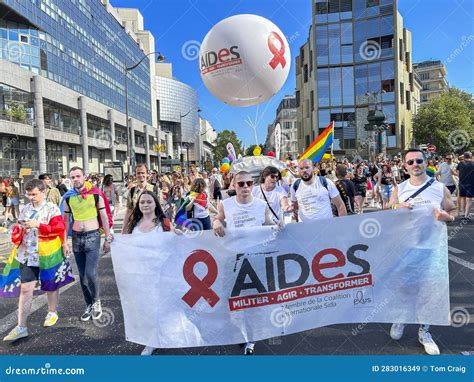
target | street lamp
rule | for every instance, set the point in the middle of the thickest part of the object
(376, 122)
(181, 155)
(130, 149)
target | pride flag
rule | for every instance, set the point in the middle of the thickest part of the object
(317, 149)
(55, 270)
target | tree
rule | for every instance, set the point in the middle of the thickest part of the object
(249, 150)
(220, 149)
(446, 122)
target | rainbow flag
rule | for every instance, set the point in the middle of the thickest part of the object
(317, 149)
(55, 270)
(431, 171)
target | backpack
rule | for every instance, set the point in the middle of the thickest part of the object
(324, 183)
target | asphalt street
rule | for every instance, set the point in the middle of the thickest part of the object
(107, 337)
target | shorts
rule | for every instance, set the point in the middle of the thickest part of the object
(466, 190)
(386, 191)
(14, 202)
(217, 195)
(28, 274)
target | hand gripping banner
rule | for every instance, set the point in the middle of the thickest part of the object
(254, 284)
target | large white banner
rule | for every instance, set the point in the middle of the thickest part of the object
(254, 284)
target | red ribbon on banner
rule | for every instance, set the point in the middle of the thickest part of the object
(278, 53)
(200, 288)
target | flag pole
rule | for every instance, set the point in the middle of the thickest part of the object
(332, 143)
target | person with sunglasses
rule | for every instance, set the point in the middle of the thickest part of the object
(421, 190)
(242, 211)
(271, 193)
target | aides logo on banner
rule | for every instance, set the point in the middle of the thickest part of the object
(276, 288)
(211, 61)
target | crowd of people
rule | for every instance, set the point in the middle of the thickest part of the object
(83, 207)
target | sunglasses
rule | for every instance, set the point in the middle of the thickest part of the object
(411, 161)
(274, 176)
(249, 183)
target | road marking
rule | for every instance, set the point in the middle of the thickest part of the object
(462, 262)
(455, 250)
(11, 320)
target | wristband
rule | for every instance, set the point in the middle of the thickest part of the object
(395, 206)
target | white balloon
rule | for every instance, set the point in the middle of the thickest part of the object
(244, 60)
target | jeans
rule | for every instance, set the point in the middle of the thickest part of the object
(205, 223)
(86, 248)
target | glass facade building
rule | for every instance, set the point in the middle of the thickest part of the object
(354, 42)
(80, 45)
(358, 58)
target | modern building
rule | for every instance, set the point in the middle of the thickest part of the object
(432, 75)
(178, 106)
(207, 143)
(286, 117)
(357, 59)
(62, 86)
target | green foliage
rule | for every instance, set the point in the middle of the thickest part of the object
(446, 122)
(224, 137)
(16, 112)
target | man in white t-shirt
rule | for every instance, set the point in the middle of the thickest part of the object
(446, 172)
(312, 195)
(420, 190)
(239, 211)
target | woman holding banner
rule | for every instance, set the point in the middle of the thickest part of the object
(148, 216)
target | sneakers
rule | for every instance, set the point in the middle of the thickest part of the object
(396, 331)
(249, 347)
(51, 319)
(96, 310)
(87, 314)
(16, 333)
(426, 340)
(148, 350)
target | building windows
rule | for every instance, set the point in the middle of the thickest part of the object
(72, 155)
(305, 73)
(402, 93)
(90, 154)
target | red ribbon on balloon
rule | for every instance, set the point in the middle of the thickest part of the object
(200, 288)
(278, 53)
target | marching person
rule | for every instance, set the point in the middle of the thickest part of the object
(312, 195)
(141, 173)
(52, 193)
(273, 195)
(148, 216)
(242, 211)
(421, 189)
(89, 210)
(37, 257)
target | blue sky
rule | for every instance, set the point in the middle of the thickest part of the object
(441, 30)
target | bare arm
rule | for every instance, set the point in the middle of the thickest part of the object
(218, 224)
(103, 216)
(341, 207)
(449, 211)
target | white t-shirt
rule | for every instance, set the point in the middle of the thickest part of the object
(136, 230)
(433, 195)
(239, 215)
(446, 177)
(274, 197)
(314, 200)
(200, 212)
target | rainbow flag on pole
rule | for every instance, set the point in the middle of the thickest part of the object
(317, 149)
